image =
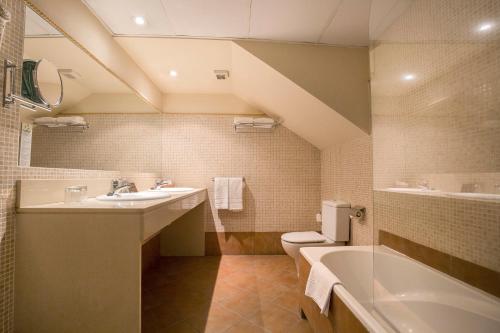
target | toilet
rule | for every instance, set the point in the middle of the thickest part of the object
(334, 230)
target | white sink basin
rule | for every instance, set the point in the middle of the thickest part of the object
(135, 196)
(173, 189)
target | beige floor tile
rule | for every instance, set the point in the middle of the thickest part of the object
(217, 320)
(245, 326)
(274, 319)
(234, 294)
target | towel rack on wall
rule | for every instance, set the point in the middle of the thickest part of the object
(213, 178)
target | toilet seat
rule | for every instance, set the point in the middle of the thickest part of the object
(303, 237)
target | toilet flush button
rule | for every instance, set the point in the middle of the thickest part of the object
(318, 218)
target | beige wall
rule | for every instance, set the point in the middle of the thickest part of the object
(443, 127)
(129, 142)
(346, 174)
(282, 170)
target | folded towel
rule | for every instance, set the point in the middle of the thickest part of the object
(60, 121)
(221, 192)
(236, 193)
(263, 120)
(319, 286)
(45, 121)
(242, 120)
(71, 120)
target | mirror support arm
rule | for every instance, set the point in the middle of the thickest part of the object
(9, 84)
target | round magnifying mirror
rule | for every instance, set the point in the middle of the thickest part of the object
(41, 82)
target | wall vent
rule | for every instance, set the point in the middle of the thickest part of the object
(221, 74)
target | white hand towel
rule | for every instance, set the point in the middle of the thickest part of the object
(319, 286)
(264, 120)
(236, 193)
(221, 192)
(45, 121)
(71, 120)
(242, 120)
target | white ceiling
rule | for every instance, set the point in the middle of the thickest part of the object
(338, 22)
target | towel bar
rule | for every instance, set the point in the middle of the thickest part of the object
(213, 178)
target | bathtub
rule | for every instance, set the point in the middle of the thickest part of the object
(404, 295)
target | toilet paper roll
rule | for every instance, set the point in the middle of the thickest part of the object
(318, 217)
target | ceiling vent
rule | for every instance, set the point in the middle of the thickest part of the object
(70, 74)
(221, 74)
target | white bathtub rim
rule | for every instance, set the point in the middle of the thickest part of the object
(313, 255)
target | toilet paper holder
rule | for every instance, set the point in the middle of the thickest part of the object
(358, 213)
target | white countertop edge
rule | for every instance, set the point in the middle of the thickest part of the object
(92, 205)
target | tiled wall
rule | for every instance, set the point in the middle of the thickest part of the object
(346, 174)
(113, 142)
(282, 171)
(443, 126)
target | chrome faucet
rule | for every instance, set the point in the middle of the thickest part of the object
(121, 186)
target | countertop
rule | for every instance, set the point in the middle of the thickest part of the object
(93, 205)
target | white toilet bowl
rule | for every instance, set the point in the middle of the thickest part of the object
(293, 241)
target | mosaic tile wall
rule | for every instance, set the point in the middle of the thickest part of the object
(442, 125)
(346, 174)
(113, 142)
(282, 171)
(467, 229)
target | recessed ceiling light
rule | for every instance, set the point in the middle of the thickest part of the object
(409, 77)
(485, 27)
(172, 73)
(139, 20)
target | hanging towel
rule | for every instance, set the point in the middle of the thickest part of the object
(319, 286)
(221, 192)
(236, 193)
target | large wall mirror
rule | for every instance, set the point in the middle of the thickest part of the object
(86, 128)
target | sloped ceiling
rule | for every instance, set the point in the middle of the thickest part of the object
(266, 88)
(320, 92)
(338, 76)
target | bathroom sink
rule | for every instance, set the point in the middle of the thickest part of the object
(135, 196)
(173, 189)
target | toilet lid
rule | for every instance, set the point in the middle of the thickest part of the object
(303, 237)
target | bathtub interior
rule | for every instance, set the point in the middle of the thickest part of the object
(354, 267)
(404, 295)
(413, 297)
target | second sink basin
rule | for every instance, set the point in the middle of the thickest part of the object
(173, 189)
(134, 196)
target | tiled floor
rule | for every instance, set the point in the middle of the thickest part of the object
(233, 294)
